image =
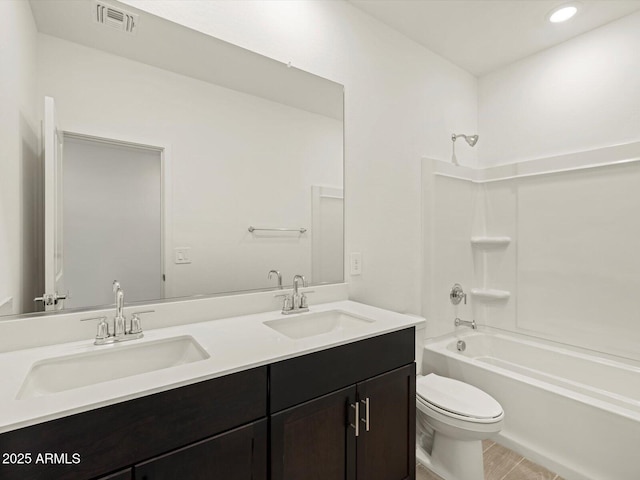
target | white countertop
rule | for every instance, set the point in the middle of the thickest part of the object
(234, 344)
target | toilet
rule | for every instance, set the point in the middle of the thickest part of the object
(453, 418)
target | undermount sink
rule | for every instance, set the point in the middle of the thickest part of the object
(312, 324)
(118, 361)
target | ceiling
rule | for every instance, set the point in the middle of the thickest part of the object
(483, 35)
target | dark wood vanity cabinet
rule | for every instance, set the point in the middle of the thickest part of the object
(316, 438)
(119, 436)
(291, 420)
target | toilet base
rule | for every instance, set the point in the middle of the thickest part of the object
(453, 459)
(424, 459)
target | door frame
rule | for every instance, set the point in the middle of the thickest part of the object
(53, 245)
(164, 149)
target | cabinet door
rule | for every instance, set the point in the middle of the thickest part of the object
(240, 454)
(313, 440)
(386, 451)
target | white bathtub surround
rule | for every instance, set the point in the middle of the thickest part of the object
(567, 272)
(230, 344)
(448, 208)
(571, 410)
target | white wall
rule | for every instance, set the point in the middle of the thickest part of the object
(19, 154)
(274, 152)
(580, 95)
(401, 102)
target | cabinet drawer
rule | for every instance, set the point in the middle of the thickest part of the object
(302, 378)
(119, 435)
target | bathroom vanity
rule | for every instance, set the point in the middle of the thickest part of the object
(340, 404)
(366, 388)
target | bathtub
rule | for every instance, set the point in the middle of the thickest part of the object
(575, 412)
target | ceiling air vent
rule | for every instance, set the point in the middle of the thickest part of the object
(116, 18)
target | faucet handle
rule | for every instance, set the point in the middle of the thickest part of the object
(136, 324)
(103, 327)
(456, 295)
(287, 303)
(303, 298)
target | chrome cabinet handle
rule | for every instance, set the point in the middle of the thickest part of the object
(356, 424)
(366, 403)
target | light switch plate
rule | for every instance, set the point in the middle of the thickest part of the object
(356, 263)
(182, 255)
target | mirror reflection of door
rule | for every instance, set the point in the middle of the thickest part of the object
(54, 278)
(327, 234)
(112, 220)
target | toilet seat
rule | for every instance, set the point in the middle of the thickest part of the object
(456, 399)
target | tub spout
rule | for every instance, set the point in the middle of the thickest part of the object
(457, 322)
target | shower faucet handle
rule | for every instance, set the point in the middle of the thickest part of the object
(457, 294)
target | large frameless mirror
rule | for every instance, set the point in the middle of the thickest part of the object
(171, 161)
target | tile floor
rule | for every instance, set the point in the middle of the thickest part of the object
(500, 463)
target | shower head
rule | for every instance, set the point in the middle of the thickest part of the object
(471, 139)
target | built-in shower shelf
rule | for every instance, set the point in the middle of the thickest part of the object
(490, 294)
(486, 242)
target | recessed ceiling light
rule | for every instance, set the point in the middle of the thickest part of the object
(562, 14)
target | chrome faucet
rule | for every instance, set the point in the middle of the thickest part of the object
(297, 297)
(279, 277)
(119, 322)
(120, 332)
(295, 302)
(457, 322)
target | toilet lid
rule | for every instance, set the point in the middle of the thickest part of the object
(457, 397)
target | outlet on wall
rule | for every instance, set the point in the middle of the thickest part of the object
(356, 263)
